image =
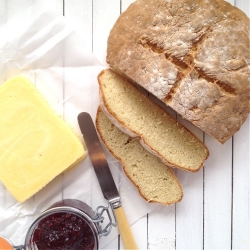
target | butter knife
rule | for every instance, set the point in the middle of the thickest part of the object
(105, 177)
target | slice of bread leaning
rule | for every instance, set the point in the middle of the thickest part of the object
(153, 179)
(138, 116)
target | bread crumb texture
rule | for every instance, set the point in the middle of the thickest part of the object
(36, 145)
(154, 180)
(159, 133)
(192, 55)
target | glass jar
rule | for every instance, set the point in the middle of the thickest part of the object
(68, 223)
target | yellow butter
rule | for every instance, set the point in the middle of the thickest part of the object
(36, 145)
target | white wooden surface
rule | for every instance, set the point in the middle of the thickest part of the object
(215, 210)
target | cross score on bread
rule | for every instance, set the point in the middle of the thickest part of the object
(192, 55)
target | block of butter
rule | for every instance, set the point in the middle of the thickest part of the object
(36, 145)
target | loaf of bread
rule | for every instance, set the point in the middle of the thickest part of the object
(154, 180)
(192, 55)
(135, 114)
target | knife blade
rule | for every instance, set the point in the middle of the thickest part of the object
(98, 159)
(105, 177)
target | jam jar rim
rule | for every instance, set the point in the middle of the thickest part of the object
(66, 209)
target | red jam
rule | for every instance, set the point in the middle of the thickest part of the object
(63, 231)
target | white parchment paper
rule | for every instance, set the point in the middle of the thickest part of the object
(48, 51)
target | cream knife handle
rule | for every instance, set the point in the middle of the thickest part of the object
(127, 237)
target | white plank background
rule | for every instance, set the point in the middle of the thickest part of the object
(215, 210)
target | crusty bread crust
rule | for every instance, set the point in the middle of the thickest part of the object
(192, 55)
(105, 78)
(171, 195)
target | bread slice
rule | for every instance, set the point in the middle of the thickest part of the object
(192, 55)
(138, 116)
(154, 180)
(36, 145)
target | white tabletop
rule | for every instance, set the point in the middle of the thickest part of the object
(215, 210)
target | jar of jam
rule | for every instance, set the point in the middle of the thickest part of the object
(67, 225)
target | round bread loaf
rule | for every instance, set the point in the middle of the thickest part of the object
(191, 54)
